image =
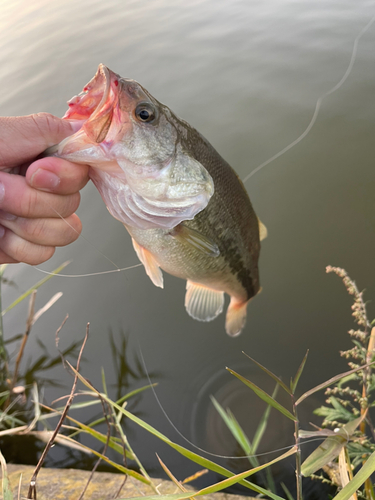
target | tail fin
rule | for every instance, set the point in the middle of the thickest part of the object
(236, 317)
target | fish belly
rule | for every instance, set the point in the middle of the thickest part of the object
(186, 262)
(208, 277)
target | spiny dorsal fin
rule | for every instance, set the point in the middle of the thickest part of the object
(151, 266)
(203, 303)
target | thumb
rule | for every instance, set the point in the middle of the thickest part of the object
(22, 138)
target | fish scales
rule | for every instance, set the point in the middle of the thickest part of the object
(185, 208)
(225, 220)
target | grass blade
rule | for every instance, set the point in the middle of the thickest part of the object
(94, 433)
(293, 384)
(234, 427)
(235, 479)
(6, 488)
(176, 496)
(330, 382)
(136, 391)
(263, 395)
(275, 377)
(344, 471)
(117, 466)
(364, 473)
(330, 448)
(287, 492)
(172, 477)
(226, 483)
(35, 287)
(194, 457)
(263, 423)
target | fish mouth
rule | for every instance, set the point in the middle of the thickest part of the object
(96, 105)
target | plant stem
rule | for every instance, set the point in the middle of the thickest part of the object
(298, 453)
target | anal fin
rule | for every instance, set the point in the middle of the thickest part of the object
(236, 317)
(203, 303)
(152, 268)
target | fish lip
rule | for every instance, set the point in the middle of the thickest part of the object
(95, 104)
(102, 70)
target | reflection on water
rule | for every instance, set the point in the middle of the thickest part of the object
(209, 429)
(247, 75)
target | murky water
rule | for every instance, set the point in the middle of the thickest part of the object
(247, 75)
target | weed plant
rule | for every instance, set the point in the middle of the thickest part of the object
(346, 454)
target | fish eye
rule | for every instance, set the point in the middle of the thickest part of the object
(145, 112)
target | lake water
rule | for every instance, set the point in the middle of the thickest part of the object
(247, 75)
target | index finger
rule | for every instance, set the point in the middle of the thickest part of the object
(56, 175)
(21, 200)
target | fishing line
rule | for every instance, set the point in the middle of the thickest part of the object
(117, 270)
(318, 104)
(256, 170)
(203, 450)
(92, 244)
(89, 274)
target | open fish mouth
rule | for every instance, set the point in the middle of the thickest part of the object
(96, 105)
(96, 109)
(146, 177)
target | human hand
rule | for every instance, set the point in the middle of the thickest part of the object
(33, 202)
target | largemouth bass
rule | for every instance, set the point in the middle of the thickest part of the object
(183, 205)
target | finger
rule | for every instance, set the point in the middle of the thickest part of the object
(56, 175)
(24, 137)
(5, 259)
(48, 232)
(21, 250)
(18, 198)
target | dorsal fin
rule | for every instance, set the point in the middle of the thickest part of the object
(203, 303)
(262, 230)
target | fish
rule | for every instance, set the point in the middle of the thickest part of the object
(184, 207)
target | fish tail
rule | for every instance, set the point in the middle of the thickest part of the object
(236, 317)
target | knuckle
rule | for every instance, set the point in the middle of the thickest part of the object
(75, 229)
(36, 230)
(71, 203)
(50, 124)
(30, 203)
(32, 254)
(44, 119)
(42, 256)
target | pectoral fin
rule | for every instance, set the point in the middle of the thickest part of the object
(188, 236)
(152, 268)
(203, 303)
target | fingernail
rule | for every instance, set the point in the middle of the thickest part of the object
(2, 231)
(6, 215)
(44, 180)
(2, 191)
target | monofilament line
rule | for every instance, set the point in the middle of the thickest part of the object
(89, 274)
(216, 455)
(317, 106)
(82, 237)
